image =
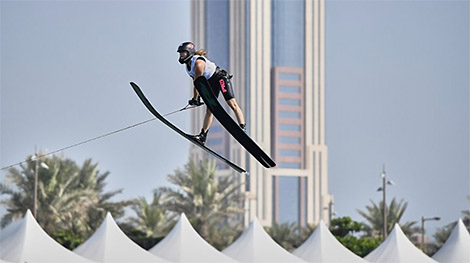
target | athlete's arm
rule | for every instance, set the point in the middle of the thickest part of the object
(199, 67)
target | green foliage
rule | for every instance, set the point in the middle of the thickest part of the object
(360, 246)
(285, 234)
(395, 211)
(141, 238)
(343, 226)
(67, 239)
(152, 219)
(71, 202)
(209, 202)
(345, 229)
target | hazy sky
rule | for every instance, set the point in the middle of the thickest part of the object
(397, 93)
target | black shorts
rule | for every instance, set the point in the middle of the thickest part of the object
(220, 81)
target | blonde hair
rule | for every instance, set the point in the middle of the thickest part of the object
(201, 52)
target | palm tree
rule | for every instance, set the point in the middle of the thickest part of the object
(151, 218)
(208, 201)
(286, 235)
(395, 211)
(70, 197)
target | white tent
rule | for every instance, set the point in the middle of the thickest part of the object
(110, 244)
(255, 245)
(26, 241)
(323, 247)
(184, 245)
(397, 248)
(457, 247)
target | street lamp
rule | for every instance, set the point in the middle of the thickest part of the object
(424, 219)
(383, 189)
(35, 157)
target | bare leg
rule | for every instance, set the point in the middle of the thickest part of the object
(207, 120)
(236, 109)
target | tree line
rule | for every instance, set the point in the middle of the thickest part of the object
(72, 202)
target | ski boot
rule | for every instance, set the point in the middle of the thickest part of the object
(201, 137)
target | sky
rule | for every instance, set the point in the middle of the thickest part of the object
(397, 94)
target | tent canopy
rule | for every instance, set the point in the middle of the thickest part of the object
(255, 245)
(26, 241)
(457, 247)
(323, 247)
(110, 244)
(183, 244)
(397, 248)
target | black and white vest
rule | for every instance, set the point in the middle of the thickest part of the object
(208, 71)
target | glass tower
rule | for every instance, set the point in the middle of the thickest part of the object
(275, 50)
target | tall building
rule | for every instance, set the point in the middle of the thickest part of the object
(275, 50)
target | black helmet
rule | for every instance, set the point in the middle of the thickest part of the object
(189, 47)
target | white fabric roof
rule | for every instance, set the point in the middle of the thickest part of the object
(110, 244)
(255, 245)
(397, 248)
(457, 247)
(26, 241)
(323, 247)
(184, 245)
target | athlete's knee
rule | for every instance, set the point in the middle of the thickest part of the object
(233, 104)
(208, 113)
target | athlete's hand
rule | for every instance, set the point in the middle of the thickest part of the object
(195, 102)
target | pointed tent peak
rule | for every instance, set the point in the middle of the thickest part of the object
(108, 215)
(255, 245)
(397, 231)
(322, 225)
(256, 229)
(29, 216)
(459, 233)
(397, 248)
(183, 222)
(28, 212)
(184, 244)
(322, 246)
(256, 222)
(461, 225)
(18, 244)
(455, 249)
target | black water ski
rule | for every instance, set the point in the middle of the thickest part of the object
(176, 129)
(202, 86)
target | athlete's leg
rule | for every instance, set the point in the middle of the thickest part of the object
(236, 109)
(207, 120)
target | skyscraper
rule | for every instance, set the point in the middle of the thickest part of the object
(275, 50)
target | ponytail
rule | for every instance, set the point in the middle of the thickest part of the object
(201, 52)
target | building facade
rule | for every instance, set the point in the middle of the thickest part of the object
(275, 50)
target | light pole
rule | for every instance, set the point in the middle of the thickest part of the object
(424, 219)
(383, 189)
(35, 157)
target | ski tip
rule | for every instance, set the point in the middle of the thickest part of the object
(247, 173)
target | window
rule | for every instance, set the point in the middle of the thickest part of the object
(289, 127)
(289, 76)
(289, 140)
(289, 114)
(289, 89)
(289, 153)
(289, 165)
(289, 102)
